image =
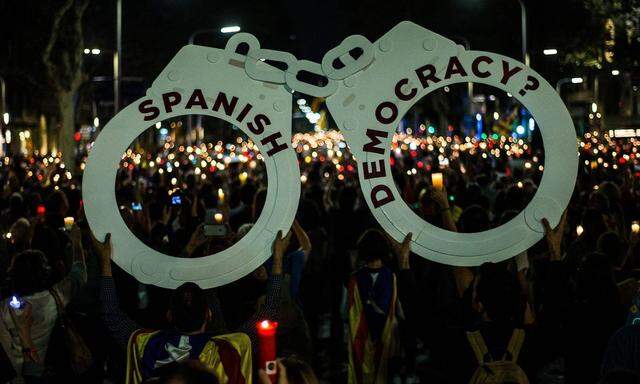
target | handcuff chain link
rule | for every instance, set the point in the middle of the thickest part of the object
(268, 73)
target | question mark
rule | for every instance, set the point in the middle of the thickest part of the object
(532, 84)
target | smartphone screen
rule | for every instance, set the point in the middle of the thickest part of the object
(214, 223)
(176, 200)
(136, 206)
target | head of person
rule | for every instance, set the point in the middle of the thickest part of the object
(612, 245)
(20, 234)
(57, 204)
(29, 273)
(610, 190)
(373, 246)
(16, 203)
(595, 283)
(593, 224)
(247, 191)
(188, 309)
(347, 198)
(191, 371)
(474, 219)
(496, 294)
(598, 200)
(298, 371)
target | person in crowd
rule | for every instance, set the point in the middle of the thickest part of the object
(186, 372)
(623, 350)
(29, 281)
(568, 293)
(229, 356)
(290, 370)
(372, 310)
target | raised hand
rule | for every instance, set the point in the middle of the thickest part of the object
(554, 236)
(197, 239)
(280, 245)
(282, 375)
(75, 234)
(402, 250)
(103, 248)
(439, 196)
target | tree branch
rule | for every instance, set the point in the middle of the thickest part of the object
(58, 16)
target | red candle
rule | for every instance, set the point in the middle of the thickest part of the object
(267, 347)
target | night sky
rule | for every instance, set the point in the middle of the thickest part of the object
(154, 30)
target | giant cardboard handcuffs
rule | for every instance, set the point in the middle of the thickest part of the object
(366, 96)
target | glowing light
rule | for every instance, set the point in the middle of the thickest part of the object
(577, 80)
(615, 72)
(550, 52)
(579, 230)
(15, 303)
(230, 29)
(496, 116)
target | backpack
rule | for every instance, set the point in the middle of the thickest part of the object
(502, 371)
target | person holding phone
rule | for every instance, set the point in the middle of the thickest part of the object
(30, 281)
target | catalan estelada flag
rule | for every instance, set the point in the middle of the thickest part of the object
(228, 356)
(372, 324)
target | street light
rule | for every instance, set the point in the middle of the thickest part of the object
(92, 51)
(3, 101)
(566, 80)
(523, 24)
(550, 52)
(117, 59)
(230, 29)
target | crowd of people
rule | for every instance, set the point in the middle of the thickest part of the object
(352, 304)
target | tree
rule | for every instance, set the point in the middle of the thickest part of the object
(62, 59)
(610, 35)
